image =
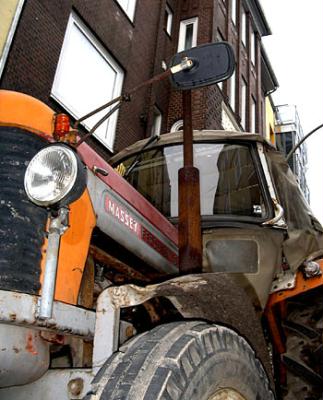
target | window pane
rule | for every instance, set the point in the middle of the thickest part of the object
(229, 182)
(157, 121)
(168, 20)
(189, 36)
(253, 48)
(253, 116)
(96, 80)
(128, 7)
(244, 28)
(243, 104)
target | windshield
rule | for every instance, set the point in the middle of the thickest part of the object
(228, 179)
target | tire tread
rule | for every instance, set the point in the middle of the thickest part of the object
(160, 364)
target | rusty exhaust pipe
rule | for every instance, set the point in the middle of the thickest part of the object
(190, 236)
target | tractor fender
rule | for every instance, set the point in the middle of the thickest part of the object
(210, 297)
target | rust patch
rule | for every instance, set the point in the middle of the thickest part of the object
(52, 337)
(12, 317)
(30, 345)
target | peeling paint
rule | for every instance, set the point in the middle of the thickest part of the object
(13, 317)
(30, 345)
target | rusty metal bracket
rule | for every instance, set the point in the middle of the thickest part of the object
(57, 227)
(277, 301)
(21, 309)
(286, 280)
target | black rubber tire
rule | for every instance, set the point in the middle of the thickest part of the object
(182, 361)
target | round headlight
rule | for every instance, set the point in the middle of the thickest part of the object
(51, 175)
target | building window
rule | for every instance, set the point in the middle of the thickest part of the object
(234, 11)
(244, 29)
(157, 122)
(10, 13)
(128, 7)
(168, 20)
(219, 38)
(187, 34)
(232, 93)
(253, 115)
(177, 126)
(86, 77)
(243, 104)
(253, 48)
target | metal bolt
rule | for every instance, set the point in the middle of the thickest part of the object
(75, 386)
(312, 268)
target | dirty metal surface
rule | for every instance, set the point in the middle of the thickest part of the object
(286, 280)
(211, 297)
(21, 309)
(64, 384)
(107, 324)
(21, 347)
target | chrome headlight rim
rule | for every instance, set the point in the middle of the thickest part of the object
(75, 186)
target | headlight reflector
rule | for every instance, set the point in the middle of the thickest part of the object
(51, 175)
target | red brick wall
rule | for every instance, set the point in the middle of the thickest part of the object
(34, 54)
(139, 47)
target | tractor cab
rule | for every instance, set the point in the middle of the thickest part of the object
(250, 201)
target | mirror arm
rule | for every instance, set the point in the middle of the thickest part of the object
(185, 64)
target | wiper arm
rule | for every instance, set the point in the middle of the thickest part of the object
(136, 160)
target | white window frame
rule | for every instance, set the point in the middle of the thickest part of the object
(9, 31)
(106, 134)
(157, 122)
(244, 27)
(234, 11)
(253, 47)
(232, 93)
(177, 126)
(253, 115)
(243, 103)
(128, 7)
(219, 38)
(169, 22)
(182, 33)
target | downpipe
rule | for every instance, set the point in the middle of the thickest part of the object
(58, 225)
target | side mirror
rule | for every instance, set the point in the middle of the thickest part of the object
(212, 63)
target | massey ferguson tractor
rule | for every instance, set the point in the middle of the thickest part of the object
(186, 268)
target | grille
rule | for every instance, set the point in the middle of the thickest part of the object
(22, 224)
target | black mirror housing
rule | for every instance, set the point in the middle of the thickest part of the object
(212, 63)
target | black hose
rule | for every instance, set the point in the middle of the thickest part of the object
(303, 140)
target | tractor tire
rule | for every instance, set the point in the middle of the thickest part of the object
(303, 359)
(183, 361)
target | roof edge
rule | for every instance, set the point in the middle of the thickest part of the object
(259, 17)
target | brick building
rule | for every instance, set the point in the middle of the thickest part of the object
(75, 55)
(289, 132)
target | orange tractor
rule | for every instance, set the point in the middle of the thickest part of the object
(116, 282)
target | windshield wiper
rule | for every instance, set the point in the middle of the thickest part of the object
(136, 160)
